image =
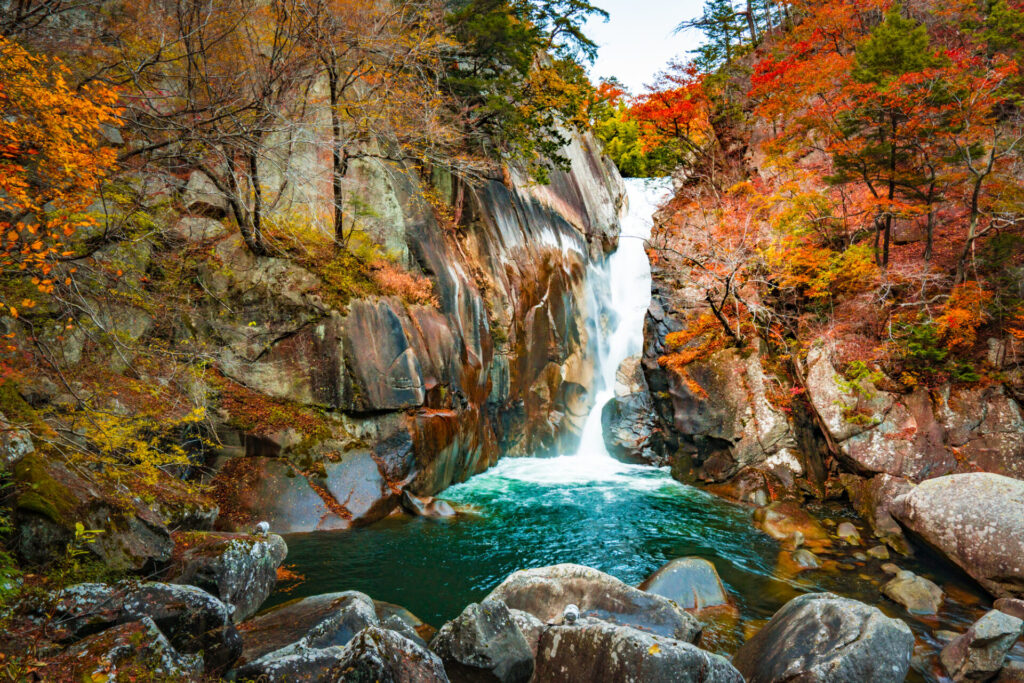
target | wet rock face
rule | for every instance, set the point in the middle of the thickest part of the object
(238, 568)
(822, 637)
(545, 593)
(978, 654)
(692, 582)
(594, 650)
(484, 643)
(977, 521)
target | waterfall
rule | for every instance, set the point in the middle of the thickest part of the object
(626, 294)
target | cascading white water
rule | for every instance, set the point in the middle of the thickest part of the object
(628, 276)
(621, 293)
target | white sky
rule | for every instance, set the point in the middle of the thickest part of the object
(637, 41)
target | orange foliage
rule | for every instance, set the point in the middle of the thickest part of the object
(392, 279)
(51, 166)
(964, 313)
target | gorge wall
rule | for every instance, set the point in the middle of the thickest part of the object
(417, 397)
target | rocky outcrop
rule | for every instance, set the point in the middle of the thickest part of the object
(53, 499)
(822, 637)
(977, 521)
(501, 365)
(632, 431)
(484, 643)
(595, 650)
(918, 435)
(240, 569)
(978, 654)
(547, 591)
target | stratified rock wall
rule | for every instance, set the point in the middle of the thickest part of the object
(417, 396)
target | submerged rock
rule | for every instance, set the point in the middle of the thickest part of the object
(692, 582)
(978, 654)
(916, 593)
(593, 650)
(484, 643)
(546, 591)
(823, 637)
(426, 506)
(977, 521)
(782, 519)
(238, 568)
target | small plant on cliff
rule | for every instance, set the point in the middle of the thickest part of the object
(858, 382)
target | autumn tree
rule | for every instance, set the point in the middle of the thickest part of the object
(52, 162)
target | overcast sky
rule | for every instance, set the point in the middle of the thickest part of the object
(637, 41)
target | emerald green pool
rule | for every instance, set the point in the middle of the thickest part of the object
(624, 520)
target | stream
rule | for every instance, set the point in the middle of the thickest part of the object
(587, 508)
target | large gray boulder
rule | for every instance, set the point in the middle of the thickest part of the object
(632, 429)
(240, 569)
(974, 519)
(692, 582)
(320, 621)
(193, 621)
(978, 654)
(593, 650)
(374, 655)
(823, 637)
(546, 591)
(128, 651)
(484, 643)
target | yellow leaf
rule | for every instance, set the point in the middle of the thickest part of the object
(654, 649)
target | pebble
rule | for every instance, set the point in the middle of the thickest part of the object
(848, 532)
(890, 568)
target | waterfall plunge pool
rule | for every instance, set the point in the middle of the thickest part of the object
(589, 509)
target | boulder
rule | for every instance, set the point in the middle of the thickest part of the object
(131, 651)
(873, 499)
(546, 591)
(194, 621)
(374, 655)
(52, 500)
(848, 532)
(15, 444)
(692, 582)
(240, 569)
(632, 429)
(977, 521)
(823, 637)
(426, 506)
(594, 650)
(530, 626)
(320, 621)
(484, 643)
(197, 229)
(978, 654)
(377, 655)
(916, 593)
(398, 618)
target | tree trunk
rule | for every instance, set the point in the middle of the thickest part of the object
(339, 160)
(972, 231)
(258, 247)
(750, 22)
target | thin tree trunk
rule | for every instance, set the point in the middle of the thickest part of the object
(256, 215)
(339, 162)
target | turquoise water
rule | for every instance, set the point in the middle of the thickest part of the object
(624, 520)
